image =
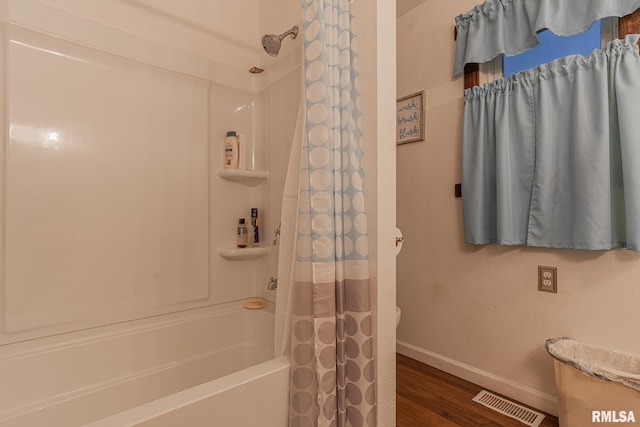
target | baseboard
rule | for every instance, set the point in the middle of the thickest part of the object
(527, 395)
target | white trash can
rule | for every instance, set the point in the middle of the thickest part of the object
(595, 386)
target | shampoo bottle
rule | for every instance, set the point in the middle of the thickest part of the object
(231, 150)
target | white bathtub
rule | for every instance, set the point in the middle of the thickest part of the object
(210, 367)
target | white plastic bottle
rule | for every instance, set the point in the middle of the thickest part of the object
(231, 149)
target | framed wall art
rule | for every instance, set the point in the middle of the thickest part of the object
(410, 121)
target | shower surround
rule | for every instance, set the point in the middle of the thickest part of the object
(113, 289)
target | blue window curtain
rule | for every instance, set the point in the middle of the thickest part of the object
(551, 156)
(509, 26)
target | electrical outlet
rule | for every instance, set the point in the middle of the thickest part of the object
(548, 279)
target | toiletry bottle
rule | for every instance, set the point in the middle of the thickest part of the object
(231, 149)
(242, 154)
(242, 235)
(254, 224)
(249, 235)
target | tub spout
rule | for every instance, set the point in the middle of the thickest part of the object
(272, 285)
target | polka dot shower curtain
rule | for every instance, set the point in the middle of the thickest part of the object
(332, 366)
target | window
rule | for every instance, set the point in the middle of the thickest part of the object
(553, 47)
(610, 28)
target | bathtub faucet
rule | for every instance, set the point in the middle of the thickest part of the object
(272, 285)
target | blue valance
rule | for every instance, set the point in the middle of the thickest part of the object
(551, 156)
(510, 26)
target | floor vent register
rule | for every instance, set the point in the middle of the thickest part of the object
(508, 408)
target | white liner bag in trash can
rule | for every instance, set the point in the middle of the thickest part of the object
(595, 385)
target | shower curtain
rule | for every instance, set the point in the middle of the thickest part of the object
(323, 314)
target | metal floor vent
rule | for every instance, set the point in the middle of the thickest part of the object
(508, 408)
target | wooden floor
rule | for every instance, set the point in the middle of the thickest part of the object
(427, 397)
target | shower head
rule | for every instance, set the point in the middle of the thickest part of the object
(272, 42)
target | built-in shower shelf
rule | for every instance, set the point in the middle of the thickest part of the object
(249, 178)
(237, 254)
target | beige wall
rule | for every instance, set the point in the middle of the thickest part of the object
(473, 310)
